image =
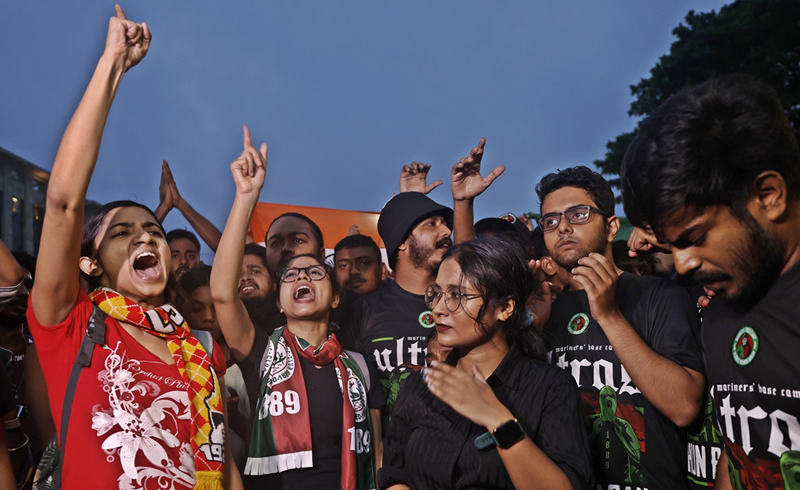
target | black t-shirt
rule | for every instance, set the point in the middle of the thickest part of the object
(633, 444)
(390, 327)
(753, 366)
(325, 416)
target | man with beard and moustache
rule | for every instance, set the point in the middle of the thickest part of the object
(257, 288)
(616, 331)
(715, 173)
(184, 248)
(358, 270)
(390, 326)
(358, 265)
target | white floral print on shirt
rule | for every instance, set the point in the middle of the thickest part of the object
(141, 428)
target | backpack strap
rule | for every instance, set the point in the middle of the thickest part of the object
(95, 334)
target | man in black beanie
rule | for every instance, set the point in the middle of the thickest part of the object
(390, 326)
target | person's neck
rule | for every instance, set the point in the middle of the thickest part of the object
(487, 356)
(315, 332)
(788, 230)
(609, 255)
(412, 279)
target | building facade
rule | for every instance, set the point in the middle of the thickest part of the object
(23, 194)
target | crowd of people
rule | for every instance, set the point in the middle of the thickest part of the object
(506, 353)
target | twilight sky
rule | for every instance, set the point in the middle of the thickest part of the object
(344, 93)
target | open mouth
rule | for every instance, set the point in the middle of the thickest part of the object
(147, 266)
(247, 288)
(303, 293)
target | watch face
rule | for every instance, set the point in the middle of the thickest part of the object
(507, 434)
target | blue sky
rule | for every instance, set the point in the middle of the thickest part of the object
(344, 93)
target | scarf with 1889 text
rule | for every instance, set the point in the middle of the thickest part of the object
(281, 435)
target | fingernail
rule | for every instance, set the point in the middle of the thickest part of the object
(430, 386)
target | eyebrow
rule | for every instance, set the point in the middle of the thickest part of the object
(291, 233)
(684, 236)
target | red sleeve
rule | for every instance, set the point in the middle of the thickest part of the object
(218, 360)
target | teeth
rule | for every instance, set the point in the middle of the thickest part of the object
(301, 291)
(145, 254)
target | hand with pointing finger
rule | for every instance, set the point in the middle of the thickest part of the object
(466, 181)
(413, 178)
(250, 169)
(127, 42)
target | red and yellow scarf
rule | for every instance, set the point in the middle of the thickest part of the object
(196, 370)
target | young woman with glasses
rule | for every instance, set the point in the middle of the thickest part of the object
(311, 424)
(494, 414)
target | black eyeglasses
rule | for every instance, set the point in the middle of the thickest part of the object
(576, 215)
(314, 272)
(452, 297)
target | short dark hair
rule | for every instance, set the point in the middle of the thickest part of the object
(498, 269)
(581, 177)
(704, 146)
(257, 250)
(91, 227)
(357, 241)
(196, 277)
(182, 233)
(314, 228)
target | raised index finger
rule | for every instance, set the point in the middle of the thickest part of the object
(247, 143)
(120, 13)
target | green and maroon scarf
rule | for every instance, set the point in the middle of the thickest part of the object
(281, 436)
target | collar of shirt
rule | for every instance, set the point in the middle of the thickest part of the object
(508, 371)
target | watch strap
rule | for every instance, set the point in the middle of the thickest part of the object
(485, 441)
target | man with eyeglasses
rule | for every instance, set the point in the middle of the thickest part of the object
(614, 331)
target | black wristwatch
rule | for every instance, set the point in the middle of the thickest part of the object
(504, 436)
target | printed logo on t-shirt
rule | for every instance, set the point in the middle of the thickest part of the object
(426, 319)
(745, 346)
(578, 324)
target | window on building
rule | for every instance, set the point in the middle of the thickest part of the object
(38, 218)
(17, 224)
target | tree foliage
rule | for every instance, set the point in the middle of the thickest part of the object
(760, 37)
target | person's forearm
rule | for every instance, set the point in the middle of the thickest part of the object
(57, 278)
(530, 468)
(235, 323)
(722, 479)
(10, 270)
(674, 390)
(161, 211)
(463, 220)
(207, 231)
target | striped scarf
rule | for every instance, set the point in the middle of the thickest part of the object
(196, 370)
(281, 435)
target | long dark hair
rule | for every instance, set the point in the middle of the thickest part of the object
(498, 269)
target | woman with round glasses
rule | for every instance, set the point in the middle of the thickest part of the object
(494, 415)
(311, 425)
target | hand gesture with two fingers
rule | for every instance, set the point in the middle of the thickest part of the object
(250, 169)
(466, 181)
